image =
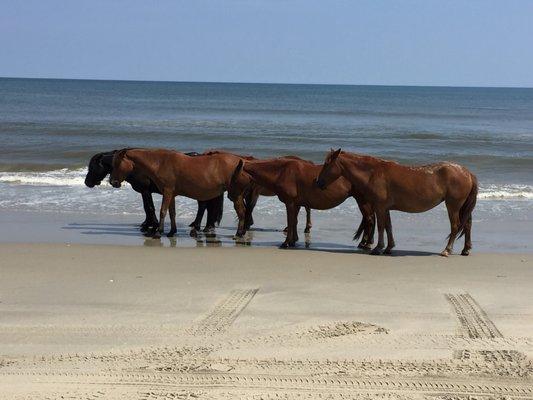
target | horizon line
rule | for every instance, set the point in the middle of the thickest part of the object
(270, 83)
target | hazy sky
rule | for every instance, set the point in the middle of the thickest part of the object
(467, 42)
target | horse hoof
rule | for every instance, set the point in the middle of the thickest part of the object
(387, 251)
(171, 234)
(376, 252)
(209, 228)
(284, 245)
(445, 253)
(193, 233)
(465, 252)
(156, 235)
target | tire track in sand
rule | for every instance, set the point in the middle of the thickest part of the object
(224, 313)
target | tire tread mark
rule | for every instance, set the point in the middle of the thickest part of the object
(474, 322)
(224, 313)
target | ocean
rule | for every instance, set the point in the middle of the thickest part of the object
(50, 128)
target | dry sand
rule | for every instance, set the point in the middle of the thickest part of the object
(108, 322)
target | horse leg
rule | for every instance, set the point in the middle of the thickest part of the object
(172, 214)
(381, 217)
(308, 224)
(453, 214)
(165, 203)
(251, 201)
(149, 210)
(196, 224)
(468, 239)
(212, 214)
(146, 221)
(368, 224)
(240, 209)
(292, 226)
(370, 228)
(390, 238)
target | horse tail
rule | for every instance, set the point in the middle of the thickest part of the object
(219, 208)
(360, 230)
(465, 213)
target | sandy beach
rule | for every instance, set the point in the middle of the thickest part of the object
(119, 322)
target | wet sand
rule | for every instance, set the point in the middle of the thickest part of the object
(127, 322)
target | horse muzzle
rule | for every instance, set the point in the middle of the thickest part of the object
(91, 184)
(115, 183)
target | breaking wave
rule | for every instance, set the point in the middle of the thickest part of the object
(75, 178)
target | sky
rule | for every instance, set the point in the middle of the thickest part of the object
(410, 42)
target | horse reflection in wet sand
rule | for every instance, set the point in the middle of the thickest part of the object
(387, 185)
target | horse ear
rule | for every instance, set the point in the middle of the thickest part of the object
(335, 154)
(237, 171)
(239, 166)
(121, 153)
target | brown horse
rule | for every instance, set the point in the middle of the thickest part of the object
(293, 181)
(202, 177)
(387, 185)
(249, 192)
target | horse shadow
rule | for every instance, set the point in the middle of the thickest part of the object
(121, 229)
(222, 237)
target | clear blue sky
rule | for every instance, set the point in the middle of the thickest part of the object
(425, 42)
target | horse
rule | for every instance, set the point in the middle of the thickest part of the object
(293, 181)
(387, 185)
(202, 177)
(249, 192)
(100, 165)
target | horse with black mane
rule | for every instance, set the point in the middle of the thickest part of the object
(101, 165)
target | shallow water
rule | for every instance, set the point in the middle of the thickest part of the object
(50, 128)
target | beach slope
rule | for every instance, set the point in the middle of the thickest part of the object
(110, 322)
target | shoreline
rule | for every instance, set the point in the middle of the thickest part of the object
(332, 230)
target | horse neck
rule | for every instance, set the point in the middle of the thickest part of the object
(107, 159)
(265, 173)
(356, 169)
(145, 164)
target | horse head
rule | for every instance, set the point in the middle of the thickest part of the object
(122, 166)
(99, 167)
(239, 182)
(331, 170)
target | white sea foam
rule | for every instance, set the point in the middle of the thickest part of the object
(75, 178)
(59, 177)
(503, 192)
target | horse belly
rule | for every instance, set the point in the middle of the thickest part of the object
(420, 196)
(323, 199)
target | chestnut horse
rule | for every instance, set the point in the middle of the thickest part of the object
(202, 177)
(249, 191)
(100, 165)
(387, 185)
(293, 181)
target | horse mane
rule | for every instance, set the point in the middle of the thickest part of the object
(211, 152)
